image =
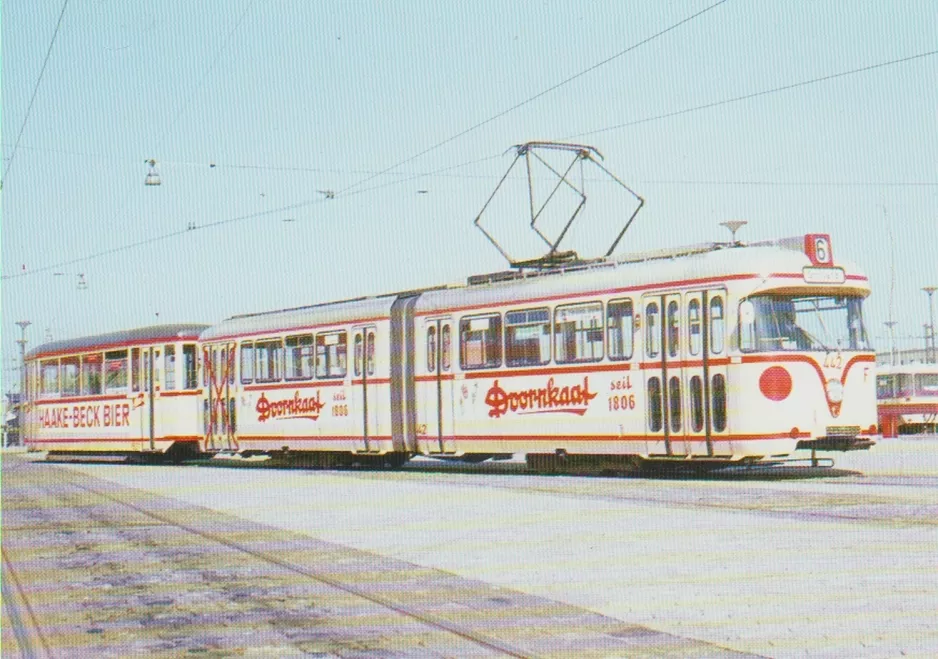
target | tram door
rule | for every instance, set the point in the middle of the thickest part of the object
(438, 397)
(218, 397)
(664, 372)
(705, 373)
(364, 386)
(148, 397)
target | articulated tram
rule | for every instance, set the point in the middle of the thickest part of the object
(711, 354)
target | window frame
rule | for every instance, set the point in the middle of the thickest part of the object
(491, 346)
(307, 357)
(577, 331)
(509, 346)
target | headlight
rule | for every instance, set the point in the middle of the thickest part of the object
(835, 390)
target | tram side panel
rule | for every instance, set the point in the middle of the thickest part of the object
(111, 401)
(321, 390)
(531, 379)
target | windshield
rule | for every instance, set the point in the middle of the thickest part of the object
(799, 323)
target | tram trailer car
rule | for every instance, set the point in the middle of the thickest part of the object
(709, 354)
(908, 399)
(98, 394)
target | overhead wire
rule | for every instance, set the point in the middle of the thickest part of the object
(531, 99)
(764, 92)
(123, 204)
(348, 193)
(32, 99)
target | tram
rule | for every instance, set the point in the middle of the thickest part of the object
(128, 392)
(908, 399)
(711, 354)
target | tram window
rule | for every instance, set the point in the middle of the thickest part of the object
(674, 328)
(904, 385)
(146, 370)
(68, 371)
(115, 371)
(674, 402)
(480, 342)
(431, 349)
(578, 333)
(527, 337)
(693, 327)
(654, 404)
(358, 355)
(135, 369)
(652, 331)
(718, 396)
(247, 363)
(50, 378)
(269, 360)
(91, 374)
(446, 347)
(299, 357)
(220, 365)
(696, 403)
(716, 325)
(331, 354)
(189, 366)
(169, 367)
(620, 329)
(156, 368)
(885, 386)
(926, 384)
(370, 353)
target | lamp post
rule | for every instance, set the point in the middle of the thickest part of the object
(931, 325)
(21, 416)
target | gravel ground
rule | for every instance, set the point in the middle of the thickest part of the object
(832, 567)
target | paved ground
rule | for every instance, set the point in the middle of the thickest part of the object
(95, 568)
(831, 567)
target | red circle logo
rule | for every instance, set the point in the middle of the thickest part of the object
(775, 383)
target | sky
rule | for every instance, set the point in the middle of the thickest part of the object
(798, 117)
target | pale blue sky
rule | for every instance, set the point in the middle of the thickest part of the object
(290, 97)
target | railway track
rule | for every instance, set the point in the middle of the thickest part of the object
(144, 574)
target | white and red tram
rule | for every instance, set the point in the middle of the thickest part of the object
(324, 382)
(710, 354)
(99, 394)
(908, 399)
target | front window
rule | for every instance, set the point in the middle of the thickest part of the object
(815, 323)
(885, 387)
(926, 384)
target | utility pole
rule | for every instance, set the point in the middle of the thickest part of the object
(930, 337)
(891, 324)
(21, 415)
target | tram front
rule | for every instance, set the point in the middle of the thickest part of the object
(807, 365)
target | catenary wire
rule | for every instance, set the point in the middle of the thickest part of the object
(400, 181)
(32, 99)
(536, 96)
(764, 92)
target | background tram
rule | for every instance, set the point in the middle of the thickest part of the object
(99, 394)
(908, 399)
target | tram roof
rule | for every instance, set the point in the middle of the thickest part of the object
(691, 267)
(298, 318)
(910, 369)
(123, 338)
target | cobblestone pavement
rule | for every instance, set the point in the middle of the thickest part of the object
(94, 568)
